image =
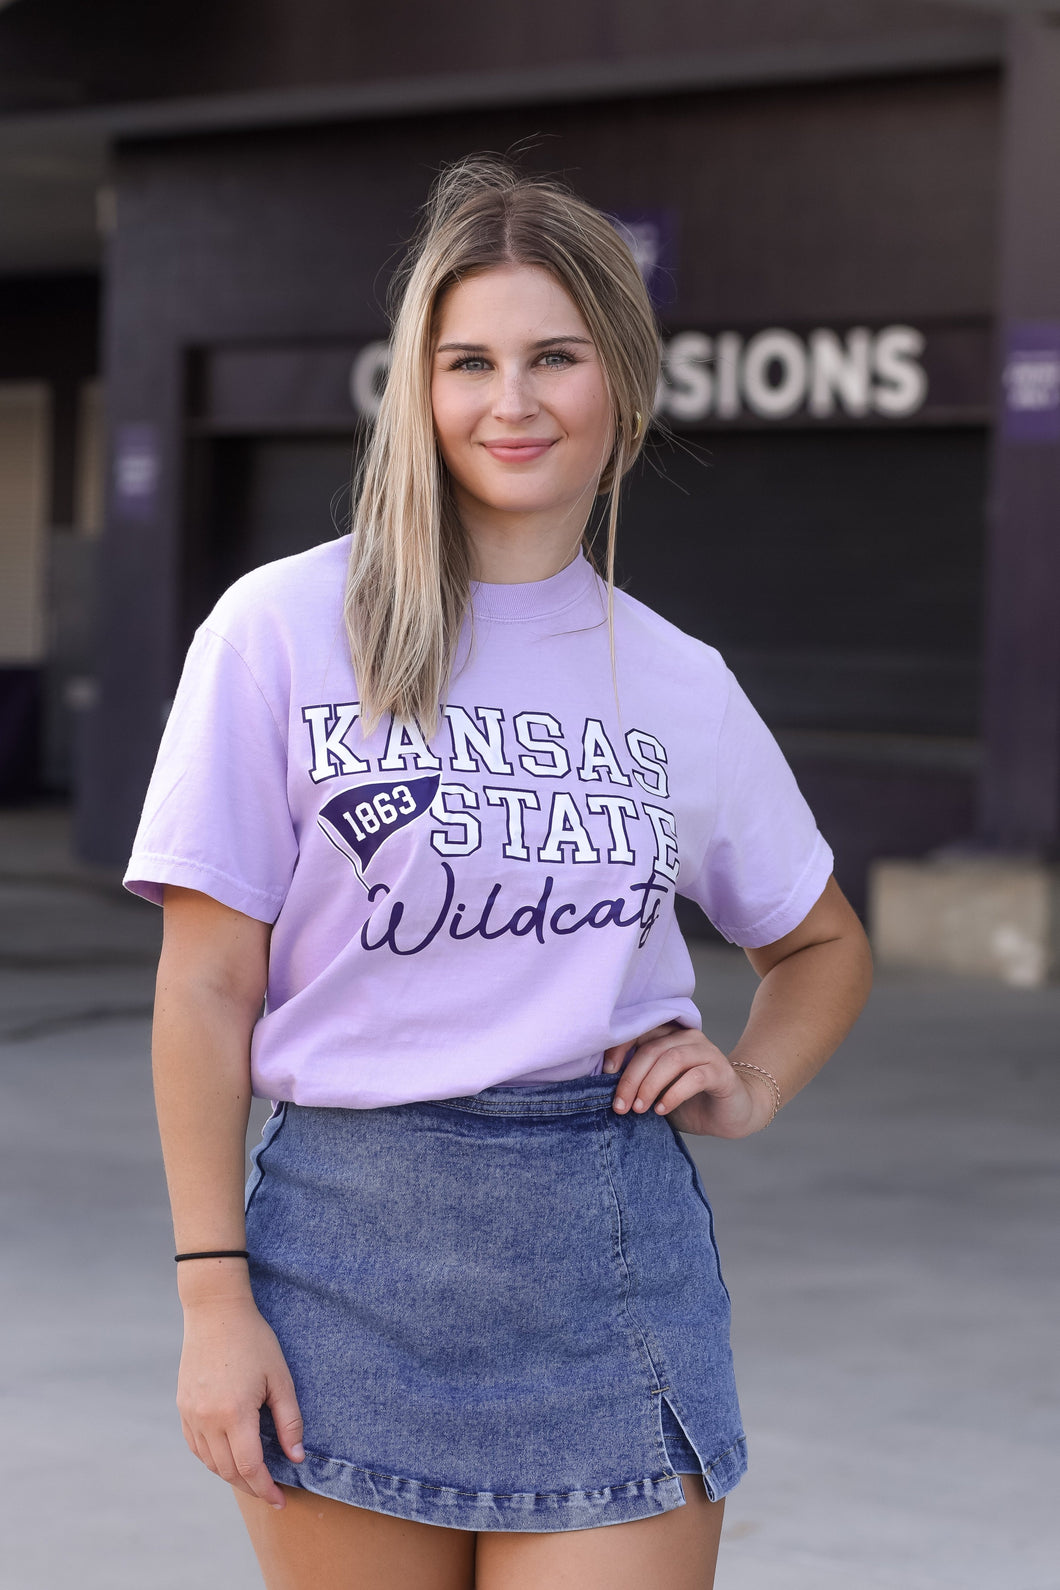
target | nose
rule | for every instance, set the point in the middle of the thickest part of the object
(514, 401)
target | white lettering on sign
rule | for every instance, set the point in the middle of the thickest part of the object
(777, 373)
(840, 372)
(771, 375)
(368, 378)
(901, 381)
(691, 367)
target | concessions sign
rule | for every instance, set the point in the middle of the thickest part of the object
(819, 376)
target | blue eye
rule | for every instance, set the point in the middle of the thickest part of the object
(551, 359)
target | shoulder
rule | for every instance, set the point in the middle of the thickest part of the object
(285, 598)
(665, 649)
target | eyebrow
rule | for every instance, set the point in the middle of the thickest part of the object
(480, 347)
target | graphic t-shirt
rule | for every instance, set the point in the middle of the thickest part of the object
(495, 905)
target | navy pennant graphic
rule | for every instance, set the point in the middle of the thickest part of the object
(360, 819)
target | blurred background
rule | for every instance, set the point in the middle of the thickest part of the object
(848, 215)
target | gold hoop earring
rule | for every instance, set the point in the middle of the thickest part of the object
(637, 423)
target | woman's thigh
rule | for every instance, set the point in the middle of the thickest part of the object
(677, 1550)
(316, 1543)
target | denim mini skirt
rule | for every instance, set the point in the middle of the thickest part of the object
(500, 1312)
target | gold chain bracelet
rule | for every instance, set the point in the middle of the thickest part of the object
(745, 1065)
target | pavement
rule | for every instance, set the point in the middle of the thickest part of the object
(890, 1244)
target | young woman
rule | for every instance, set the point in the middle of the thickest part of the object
(429, 791)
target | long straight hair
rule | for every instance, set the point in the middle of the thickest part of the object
(409, 580)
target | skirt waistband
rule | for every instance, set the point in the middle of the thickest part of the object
(570, 1097)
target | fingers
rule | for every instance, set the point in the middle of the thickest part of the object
(649, 1054)
(697, 1079)
(287, 1418)
(679, 1070)
(231, 1449)
(617, 1053)
(248, 1470)
(614, 1056)
(198, 1449)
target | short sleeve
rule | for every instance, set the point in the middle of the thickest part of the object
(766, 863)
(216, 816)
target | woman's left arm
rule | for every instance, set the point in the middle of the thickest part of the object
(814, 982)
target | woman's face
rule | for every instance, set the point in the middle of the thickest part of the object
(521, 409)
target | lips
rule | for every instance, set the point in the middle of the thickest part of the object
(521, 450)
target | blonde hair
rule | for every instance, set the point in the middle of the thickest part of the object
(409, 580)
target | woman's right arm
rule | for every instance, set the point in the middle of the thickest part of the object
(211, 982)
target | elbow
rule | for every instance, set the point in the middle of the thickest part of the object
(862, 966)
(229, 992)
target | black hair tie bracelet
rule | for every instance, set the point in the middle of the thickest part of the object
(220, 1253)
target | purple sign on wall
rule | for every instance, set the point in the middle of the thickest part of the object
(652, 237)
(137, 467)
(1031, 382)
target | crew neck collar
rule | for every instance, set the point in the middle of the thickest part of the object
(534, 598)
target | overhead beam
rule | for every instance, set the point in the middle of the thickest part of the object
(979, 47)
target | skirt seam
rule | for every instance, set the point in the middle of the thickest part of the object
(650, 1358)
(584, 1107)
(657, 1357)
(737, 1446)
(701, 1194)
(503, 1496)
(262, 1147)
(651, 1351)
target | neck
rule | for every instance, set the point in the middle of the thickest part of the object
(514, 549)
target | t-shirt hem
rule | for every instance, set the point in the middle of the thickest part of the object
(783, 918)
(147, 872)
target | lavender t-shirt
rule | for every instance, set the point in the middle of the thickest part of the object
(496, 905)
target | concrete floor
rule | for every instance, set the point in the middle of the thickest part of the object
(890, 1244)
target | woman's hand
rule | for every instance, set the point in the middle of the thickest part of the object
(812, 983)
(231, 1364)
(690, 1081)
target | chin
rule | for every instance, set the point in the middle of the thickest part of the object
(520, 502)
